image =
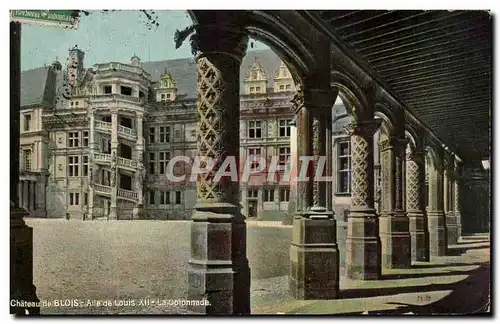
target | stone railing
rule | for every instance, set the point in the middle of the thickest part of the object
(116, 96)
(102, 188)
(127, 162)
(126, 131)
(99, 124)
(102, 157)
(114, 66)
(122, 193)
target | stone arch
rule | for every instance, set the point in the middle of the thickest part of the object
(351, 94)
(412, 143)
(387, 127)
(433, 158)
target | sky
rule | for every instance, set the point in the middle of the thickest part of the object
(109, 36)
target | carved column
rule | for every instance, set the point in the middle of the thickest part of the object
(218, 269)
(415, 205)
(456, 201)
(140, 174)
(435, 214)
(314, 255)
(114, 169)
(451, 222)
(394, 224)
(363, 249)
(32, 196)
(92, 167)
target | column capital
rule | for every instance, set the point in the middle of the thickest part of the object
(395, 143)
(223, 39)
(363, 128)
(415, 155)
(313, 98)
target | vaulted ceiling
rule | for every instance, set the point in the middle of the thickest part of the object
(439, 63)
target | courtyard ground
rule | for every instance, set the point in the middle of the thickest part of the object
(132, 260)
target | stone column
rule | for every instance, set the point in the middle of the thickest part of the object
(141, 170)
(415, 205)
(114, 170)
(32, 196)
(394, 224)
(451, 221)
(92, 167)
(456, 201)
(20, 191)
(26, 197)
(435, 214)
(218, 268)
(314, 255)
(363, 247)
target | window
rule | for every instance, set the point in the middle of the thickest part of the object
(27, 160)
(254, 154)
(74, 199)
(285, 127)
(85, 166)
(106, 146)
(124, 90)
(72, 103)
(178, 196)
(152, 132)
(85, 199)
(284, 195)
(152, 163)
(253, 193)
(106, 89)
(192, 133)
(164, 134)
(255, 129)
(85, 138)
(282, 87)
(344, 167)
(257, 89)
(163, 158)
(73, 139)
(289, 87)
(284, 155)
(76, 103)
(27, 123)
(165, 198)
(168, 95)
(252, 89)
(163, 96)
(73, 163)
(269, 195)
(151, 197)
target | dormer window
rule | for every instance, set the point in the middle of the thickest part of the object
(288, 86)
(257, 89)
(282, 87)
(252, 89)
(168, 95)
(72, 103)
(163, 96)
(76, 103)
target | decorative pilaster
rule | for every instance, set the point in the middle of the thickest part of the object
(218, 269)
(314, 255)
(451, 221)
(32, 196)
(26, 197)
(91, 174)
(141, 171)
(363, 243)
(114, 170)
(394, 224)
(435, 214)
(415, 205)
(456, 201)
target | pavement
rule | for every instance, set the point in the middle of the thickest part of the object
(122, 261)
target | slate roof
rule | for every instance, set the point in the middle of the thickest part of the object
(34, 82)
(33, 86)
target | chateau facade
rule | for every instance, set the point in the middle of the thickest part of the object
(96, 142)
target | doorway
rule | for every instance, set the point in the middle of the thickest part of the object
(252, 209)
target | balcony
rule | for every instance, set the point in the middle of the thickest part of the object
(102, 157)
(127, 132)
(102, 189)
(127, 194)
(102, 126)
(123, 162)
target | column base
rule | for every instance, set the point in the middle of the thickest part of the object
(218, 272)
(112, 214)
(395, 240)
(21, 263)
(363, 246)
(419, 236)
(451, 228)
(314, 257)
(437, 233)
